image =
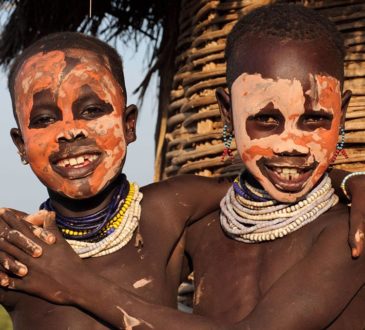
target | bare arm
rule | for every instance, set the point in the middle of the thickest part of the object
(356, 189)
(294, 301)
(188, 198)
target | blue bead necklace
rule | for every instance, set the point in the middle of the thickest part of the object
(91, 225)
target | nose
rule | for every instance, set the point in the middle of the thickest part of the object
(71, 135)
(291, 153)
(292, 145)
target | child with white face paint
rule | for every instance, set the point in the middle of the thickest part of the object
(286, 135)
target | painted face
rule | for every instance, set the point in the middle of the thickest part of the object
(70, 110)
(286, 133)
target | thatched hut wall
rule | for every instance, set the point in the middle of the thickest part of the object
(191, 137)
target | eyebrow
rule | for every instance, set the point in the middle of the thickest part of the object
(44, 100)
(87, 94)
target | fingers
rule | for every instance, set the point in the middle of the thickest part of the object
(4, 279)
(356, 234)
(17, 232)
(51, 226)
(37, 218)
(44, 235)
(24, 243)
(10, 250)
(10, 265)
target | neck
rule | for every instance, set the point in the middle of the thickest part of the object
(69, 207)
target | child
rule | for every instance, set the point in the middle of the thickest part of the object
(284, 264)
(69, 102)
(154, 277)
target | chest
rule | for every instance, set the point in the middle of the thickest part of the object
(231, 277)
(137, 270)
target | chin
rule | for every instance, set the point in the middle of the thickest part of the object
(286, 196)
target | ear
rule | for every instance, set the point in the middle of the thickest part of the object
(130, 118)
(17, 138)
(224, 103)
(346, 97)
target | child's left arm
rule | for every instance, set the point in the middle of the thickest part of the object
(355, 189)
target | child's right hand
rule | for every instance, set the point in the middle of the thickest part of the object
(16, 239)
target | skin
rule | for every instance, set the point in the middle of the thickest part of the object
(300, 124)
(68, 102)
(52, 277)
(49, 101)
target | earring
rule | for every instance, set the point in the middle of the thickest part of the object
(23, 158)
(340, 146)
(227, 140)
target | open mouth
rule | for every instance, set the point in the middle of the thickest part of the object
(77, 166)
(287, 178)
(77, 162)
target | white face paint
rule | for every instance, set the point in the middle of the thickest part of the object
(286, 135)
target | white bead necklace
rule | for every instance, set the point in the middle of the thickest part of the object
(251, 222)
(119, 238)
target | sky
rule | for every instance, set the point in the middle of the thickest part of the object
(20, 188)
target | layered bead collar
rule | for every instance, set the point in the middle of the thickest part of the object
(107, 230)
(250, 215)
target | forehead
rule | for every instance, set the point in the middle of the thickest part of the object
(64, 73)
(275, 58)
(56, 63)
(253, 93)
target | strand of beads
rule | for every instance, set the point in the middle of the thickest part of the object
(250, 221)
(124, 227)
(93, 227)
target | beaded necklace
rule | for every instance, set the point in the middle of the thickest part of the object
(248, 215)
(96, 226)
(107, 230)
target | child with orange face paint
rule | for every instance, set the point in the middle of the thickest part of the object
(74, 126)
(74, 129)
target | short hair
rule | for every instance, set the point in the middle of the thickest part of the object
(63, 41)
(285, 21)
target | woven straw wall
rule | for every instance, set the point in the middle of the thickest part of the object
(193, 138)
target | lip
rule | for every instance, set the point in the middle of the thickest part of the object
(71, 172)
(293, 185)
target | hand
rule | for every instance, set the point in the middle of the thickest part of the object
(356, 189)
(14, 239)
(55, 276)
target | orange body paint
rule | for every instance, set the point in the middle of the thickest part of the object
(76, 81)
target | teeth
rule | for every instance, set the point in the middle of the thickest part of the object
(92, 157)
(287, 173)
(80, 159)
(76, 162)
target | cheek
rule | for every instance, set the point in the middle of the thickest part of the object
(40, 141)
(39, 146)
(256, 152)
(109, 135)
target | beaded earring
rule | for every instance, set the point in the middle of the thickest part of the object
(227, 140)
(340, 146)
(23, 158)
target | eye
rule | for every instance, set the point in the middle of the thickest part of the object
(92, 112)
(41, 121)
(268, 121)
(317, 119)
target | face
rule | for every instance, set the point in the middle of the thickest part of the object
(286, 122)
(71, 114)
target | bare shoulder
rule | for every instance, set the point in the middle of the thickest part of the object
(332, 239)
(188, 182)
(336, 219)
